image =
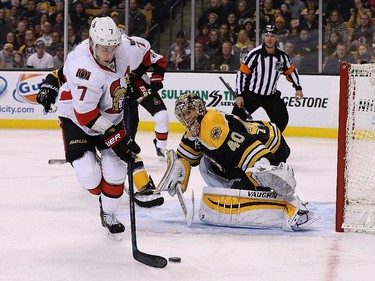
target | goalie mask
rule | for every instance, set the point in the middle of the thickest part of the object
(189, 110)
(104, 31)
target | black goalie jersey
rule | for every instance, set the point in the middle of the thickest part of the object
(233, 145)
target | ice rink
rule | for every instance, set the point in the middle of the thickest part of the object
(50, 228)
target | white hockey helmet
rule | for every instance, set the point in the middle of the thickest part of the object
(104, 31)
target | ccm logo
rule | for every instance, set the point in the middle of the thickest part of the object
(113, 139)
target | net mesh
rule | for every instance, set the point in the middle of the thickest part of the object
(359, 207)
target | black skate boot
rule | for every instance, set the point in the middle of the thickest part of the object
(110, 221)
(147, 198)
(159, 151)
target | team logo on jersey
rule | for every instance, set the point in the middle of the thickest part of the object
(156, 101)
(216, 133)
(83, 74)
(279, 66)
(117, 92)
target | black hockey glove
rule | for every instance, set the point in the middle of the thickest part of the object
(121, 143)
(156, 83)
(48, 92)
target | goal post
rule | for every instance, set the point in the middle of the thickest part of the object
(355, 196)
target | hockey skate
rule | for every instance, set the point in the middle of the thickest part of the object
(148, 198)
(109, 221)
(159, 152)
(303, 219)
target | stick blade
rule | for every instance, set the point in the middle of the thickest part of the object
(150, 260)
(56, 161)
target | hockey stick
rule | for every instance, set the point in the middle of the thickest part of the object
(189, 216)
(56, 161)
(63, 161)
(226, 84)
(147, 259)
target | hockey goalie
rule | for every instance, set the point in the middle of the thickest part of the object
(243, 164)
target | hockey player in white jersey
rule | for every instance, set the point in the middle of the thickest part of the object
(90, 109)
(243, 164)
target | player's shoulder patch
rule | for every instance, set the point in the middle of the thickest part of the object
(216, 133)
(83, 74)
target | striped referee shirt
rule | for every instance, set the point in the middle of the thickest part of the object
(260, 71)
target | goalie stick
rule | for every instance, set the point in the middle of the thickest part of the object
(189, 214)
(226, 84)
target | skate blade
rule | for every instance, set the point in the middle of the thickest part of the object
(117, 237)
(310, 221)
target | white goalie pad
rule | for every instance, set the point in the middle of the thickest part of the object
(178, 172)
(256, 209)
(280, 179)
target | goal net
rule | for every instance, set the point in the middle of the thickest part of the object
(355, 206)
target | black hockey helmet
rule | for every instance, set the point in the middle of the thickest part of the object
(269, 29)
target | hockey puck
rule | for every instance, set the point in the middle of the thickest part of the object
(174, 259)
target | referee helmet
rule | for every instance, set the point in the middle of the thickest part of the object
(269, 29)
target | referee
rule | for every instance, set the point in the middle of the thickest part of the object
(257, 78)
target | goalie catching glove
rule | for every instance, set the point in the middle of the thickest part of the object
(177, 174)
(121, 143)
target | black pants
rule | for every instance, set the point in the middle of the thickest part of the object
(77, 142)
(274, 106)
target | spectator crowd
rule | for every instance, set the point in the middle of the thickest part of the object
(31, 31)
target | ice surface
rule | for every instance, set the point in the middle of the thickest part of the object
(50, 227)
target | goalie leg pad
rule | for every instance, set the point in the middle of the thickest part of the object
(280, 179)
(242, 208)
(257, 209)
(178, 172)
